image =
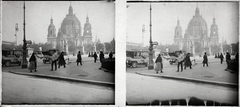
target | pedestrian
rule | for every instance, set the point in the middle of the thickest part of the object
(95, 57)
(54, 59)
(61, 60)
(158, 64)
(228, 59)
(110, 55)
(187, 61)
(205, 59)
(180, 61)
(33, 61)
(79, 58)
(221, 58)
(101, 56)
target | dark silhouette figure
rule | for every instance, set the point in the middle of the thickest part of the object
(221, 58)
(61, 60)
(228, 59)
(79, 58)
(205, 59)
(101, 56)
(95, 57)
(187, 61)
(158, 64)
(33, 63)
(110, 55)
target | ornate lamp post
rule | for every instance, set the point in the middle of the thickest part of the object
(24, 59)
(150, 64)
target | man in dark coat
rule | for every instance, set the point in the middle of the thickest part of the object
(61, 60)
(228, 58)
(110, 55)
(221, 58)
(101, 56)
(205, 59)
(95, 57)
(187, 61)
(79, 58)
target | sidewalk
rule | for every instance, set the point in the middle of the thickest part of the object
(214, 74)
(88, 72)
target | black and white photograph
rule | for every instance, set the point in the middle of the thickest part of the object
(58, 52)
(182, 53)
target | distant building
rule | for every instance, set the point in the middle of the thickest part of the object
(196, 35)
(70, 33)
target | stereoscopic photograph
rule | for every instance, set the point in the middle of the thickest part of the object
(182, 53)
(58, 52)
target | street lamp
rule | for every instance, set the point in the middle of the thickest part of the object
(150, 63)
(24, 59)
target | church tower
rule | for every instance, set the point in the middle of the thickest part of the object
(178, 35)
(87, 34)
(214, 37)
(51, 37)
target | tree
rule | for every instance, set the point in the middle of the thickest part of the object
(108, 46)
(88, 47)
(99, 46)
(235, 47)
(113, 44)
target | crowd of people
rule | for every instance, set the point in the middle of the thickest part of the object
(181, 60)
(186, 61)
(58, 59)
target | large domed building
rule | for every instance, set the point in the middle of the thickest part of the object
(196, 37)
(69, 35)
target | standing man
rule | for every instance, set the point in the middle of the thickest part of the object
(187, 61)
(54, 59)
(205, 59)
(95, 57)
(228, 58)
(180, 60)
(79, 58)
(221, 58)
(101, 56)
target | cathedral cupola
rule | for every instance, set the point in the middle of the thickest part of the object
(178, 30)
(214, 29)
(70, 10)
(51, 29)
(197, 12)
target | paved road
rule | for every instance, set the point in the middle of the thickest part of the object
(144, 89)
(18, 89)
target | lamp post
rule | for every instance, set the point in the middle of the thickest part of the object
(24, 59)
(150, 64)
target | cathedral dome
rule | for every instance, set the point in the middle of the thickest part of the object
(197, 26)
(70, 24)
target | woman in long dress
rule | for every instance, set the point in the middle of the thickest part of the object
(61, 60)
(158, 64)
(32, 61)
(187, 61)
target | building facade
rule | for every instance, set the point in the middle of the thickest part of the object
(196, 39)
(69, 36)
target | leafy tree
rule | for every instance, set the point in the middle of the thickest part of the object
(88, 47)
(99, 46)
(108, 46)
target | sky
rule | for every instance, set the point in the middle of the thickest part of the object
(166, 14)
(38, 14)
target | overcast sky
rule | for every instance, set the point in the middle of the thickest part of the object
(38, 14)
(165, 16)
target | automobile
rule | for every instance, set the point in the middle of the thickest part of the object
(10, 57)
(136, 58)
